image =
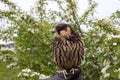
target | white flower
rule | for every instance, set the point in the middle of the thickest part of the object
(49, 63)
(32, 75)
(15, 35)
(31, 30)
(15, 58)
(115, 58)
(119, 76)
(99, 49)
(25, 74)
(28, 49)
(35, 74)
(19, 74)
(117, 70)
(26, 70)
(12, 65)
(114, 44)
(106, 75)
(110, 36)
(104, 69)
(43, 76)
(107, 65)
(7, 48)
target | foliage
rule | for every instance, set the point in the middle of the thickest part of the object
(8, 74)
(8, 65)
(32, 34)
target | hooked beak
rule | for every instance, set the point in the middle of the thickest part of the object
(54, 30)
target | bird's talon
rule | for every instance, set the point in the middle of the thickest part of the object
(64, 73)
(73, 70)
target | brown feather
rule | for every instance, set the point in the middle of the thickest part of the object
(68, 51)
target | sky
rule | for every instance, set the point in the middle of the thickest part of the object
(104, 9)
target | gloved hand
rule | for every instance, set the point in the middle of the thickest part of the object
(70, 76)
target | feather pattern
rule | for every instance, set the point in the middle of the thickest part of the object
(68, 52)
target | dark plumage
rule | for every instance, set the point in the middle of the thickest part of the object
(68, 48)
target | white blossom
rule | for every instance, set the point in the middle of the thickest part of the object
(106, 75)
(49, 63)
(12, 65)
(25, 74)
(99, 49)
(104, 69)
(28, 73)
(114, 58)
(43, 76)
(106, 66)
(26, 70)
(118, 71)
(4, 59)
(110, 36)
(119, 76)
(114, 43)
(10, 49)
(15, 35)
(31, 30)
(19, 74)
(15, 58)
(32, 75)
(28, 49)
(35, 74)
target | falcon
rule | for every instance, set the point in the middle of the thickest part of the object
(67, 49)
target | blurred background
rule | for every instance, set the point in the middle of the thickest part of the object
(26, 40)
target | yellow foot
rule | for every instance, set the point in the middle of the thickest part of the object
(64, 73)
(73, 70)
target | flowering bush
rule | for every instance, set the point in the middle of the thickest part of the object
(34, 40)
(7, 56)
(13, 65)
(28, 74)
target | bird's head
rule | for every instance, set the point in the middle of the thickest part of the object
(62, 30)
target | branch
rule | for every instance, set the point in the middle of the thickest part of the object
(75, 17)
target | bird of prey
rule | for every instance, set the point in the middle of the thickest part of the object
(68, 48)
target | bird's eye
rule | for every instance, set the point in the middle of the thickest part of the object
(60, 28)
